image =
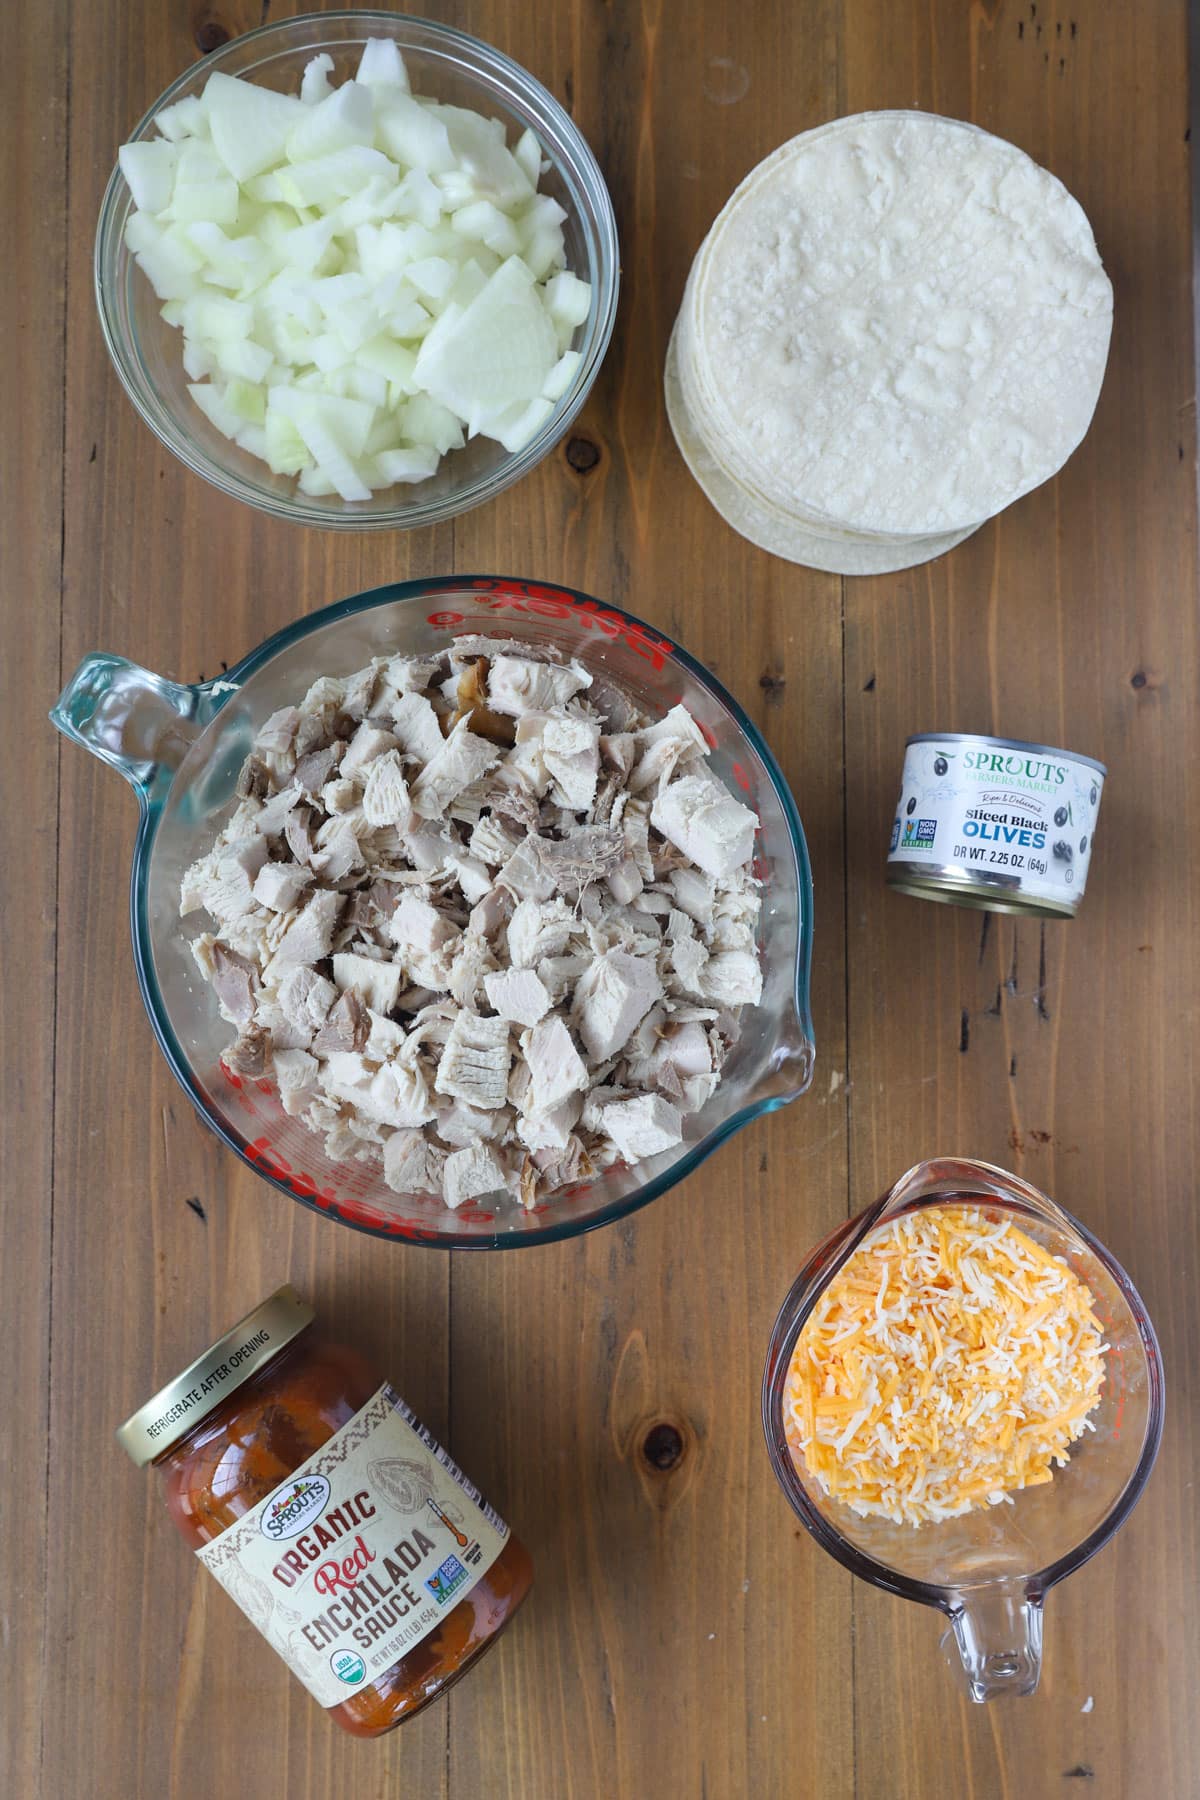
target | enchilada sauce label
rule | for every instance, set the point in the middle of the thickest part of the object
(361, 1552)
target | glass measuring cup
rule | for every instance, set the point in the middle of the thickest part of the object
(990, 1570)
(181, 749)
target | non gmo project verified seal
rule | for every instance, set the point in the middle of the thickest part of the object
(448, 1579)
(919, 833)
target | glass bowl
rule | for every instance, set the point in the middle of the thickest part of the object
(148, 353)
(182, 747)
(989, 1571)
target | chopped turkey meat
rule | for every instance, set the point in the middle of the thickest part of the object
(475, 1060)
(612, 996)
(483, 923)
(703, 820)
(517, 994)
(469, 1174)
(643, 1126)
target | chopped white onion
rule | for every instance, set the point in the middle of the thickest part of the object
(363, 278)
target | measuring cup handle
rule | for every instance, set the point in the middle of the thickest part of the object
(134, 721)
(998, 1634)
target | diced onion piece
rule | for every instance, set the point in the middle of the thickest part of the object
(528, 154)
(211, 401)
(520, 425)
(249, 124)
(410, 134)
(286, 451)
(314, 85)
(187, 118)
(568, 300)
(485, 222)
(561, 375)
(416, 463)
(382, 65)
(324, 180)
(500, 351)
(427, 422)
(149, 168)
(344, 118)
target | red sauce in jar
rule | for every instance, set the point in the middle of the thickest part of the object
(268, 1417)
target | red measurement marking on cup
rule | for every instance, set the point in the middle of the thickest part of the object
(551, 603)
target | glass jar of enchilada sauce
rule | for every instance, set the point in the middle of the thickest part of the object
(331, 1516)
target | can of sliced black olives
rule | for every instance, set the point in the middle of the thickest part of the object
(995, 823)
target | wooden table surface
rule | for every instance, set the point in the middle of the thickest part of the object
(684, 1638)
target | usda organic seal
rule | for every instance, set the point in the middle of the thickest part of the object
(995, 823)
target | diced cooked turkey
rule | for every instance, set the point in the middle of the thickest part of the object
(347, 1026)
(412, 1164)
(571, 753)
(584, 854)
(235, 983)
(424, 940)
(296, 1073)
(417, 726)
(279, 886)
(377, 984)
(475, 1060)
(517, 994)
(306, 997)
(536, 906)
(298, 833)
(703, 819)
(643, 1126)
(612, 996)
(556, 1068)
(248, 1054)
(316, 769)
(385, 799)
(538, 929)
(309, 936)
(733, 978)
(469, 1174)
(516, 685)
(523, 873)
(461, 759)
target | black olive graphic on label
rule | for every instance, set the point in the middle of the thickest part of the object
(1083, 843)
(1063, 851)
(912, 805)
(1092, 795)
(940, 765)
(1060, 817)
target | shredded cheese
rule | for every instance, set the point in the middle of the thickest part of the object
(951, 1363)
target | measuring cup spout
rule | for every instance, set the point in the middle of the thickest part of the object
(998, 1633)
(134, 721)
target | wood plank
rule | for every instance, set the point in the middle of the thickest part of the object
(160, 568)
(1042, 627)
(669, 1634)
(33, 88)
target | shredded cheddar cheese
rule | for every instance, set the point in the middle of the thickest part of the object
(952, 1362)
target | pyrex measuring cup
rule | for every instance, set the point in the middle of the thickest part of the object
(990, 1570)
(181, 749)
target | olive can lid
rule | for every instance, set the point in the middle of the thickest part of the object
(177, 1408)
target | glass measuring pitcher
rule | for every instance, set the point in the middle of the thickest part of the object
(990, 1570)
(181, 749)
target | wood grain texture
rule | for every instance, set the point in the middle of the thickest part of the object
(683, 1636)
(33, 91)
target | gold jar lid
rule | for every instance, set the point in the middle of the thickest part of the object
(225, 1365)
